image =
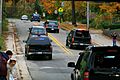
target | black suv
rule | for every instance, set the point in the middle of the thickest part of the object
(78, 37)
(97, 63)
(38, 45)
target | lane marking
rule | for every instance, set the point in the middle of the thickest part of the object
(60, 44)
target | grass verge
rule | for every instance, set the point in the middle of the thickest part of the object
(4, 34)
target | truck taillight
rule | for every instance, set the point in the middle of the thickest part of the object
(50, 48)
(72, 40)
(86, 76)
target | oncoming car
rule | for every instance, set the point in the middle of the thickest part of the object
(38, 46)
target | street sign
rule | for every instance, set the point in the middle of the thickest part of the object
(60, 9)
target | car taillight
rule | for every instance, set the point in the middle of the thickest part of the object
(72, 40)
(50, 48)
(46, 26)
(86, 76)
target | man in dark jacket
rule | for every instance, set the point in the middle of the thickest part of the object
(4, 57)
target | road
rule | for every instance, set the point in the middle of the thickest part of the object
(55, 69)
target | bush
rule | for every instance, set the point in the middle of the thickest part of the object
(113, 26)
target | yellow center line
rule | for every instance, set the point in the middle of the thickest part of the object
(60, 44)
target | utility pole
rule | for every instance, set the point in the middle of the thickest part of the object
(73, 13)
(88, 14)
(1, 16)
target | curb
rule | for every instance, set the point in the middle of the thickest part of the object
(11, 44)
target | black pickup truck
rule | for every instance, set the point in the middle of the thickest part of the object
(38, 46)
(78, 38)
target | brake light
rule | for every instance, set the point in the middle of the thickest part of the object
(86, 76)
(50, 48)
(46, 26)
(72, 40)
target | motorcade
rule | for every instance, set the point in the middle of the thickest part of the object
(52, 25)
(97, 63)
(78, 38)
(24, 17)
(35, 17)
(37, 30)
(37, 46)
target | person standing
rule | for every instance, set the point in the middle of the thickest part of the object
(4, 57)
(114, 36)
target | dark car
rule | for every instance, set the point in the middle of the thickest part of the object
(52, 25)
(38, 46)
(78, 38)
(97, 63)
(35, 17)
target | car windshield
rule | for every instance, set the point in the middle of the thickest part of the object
(82, 33)
(38, 31)
(107, 59)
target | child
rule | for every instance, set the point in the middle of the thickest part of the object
(11, 72)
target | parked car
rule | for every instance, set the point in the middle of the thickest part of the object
(97, 63)
(24, 17)
(35, 17)
(78, 38)
(52, 25)
(37, 30)
(38, 46)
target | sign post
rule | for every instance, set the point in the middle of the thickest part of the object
(60, 10)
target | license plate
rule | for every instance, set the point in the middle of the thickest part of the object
(39, 52)
(52, 29)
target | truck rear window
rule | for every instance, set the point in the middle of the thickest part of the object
(82, 33)
(107, 59)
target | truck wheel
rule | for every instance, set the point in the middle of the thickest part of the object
(70, 46)
(50, 57)
(28, 57)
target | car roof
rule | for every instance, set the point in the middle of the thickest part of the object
(52, 21)
(105, 48)
(38, 40)
(80, 29)
(37, 26)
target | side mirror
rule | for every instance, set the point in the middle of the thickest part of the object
(71, 64)
(50, 40)
(30, 29)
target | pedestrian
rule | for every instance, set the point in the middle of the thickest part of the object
(4, 57)
(11, 69)
(114, 36)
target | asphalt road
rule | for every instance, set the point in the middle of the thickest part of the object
(55, 69)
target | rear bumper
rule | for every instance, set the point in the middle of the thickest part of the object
(39, 53)
(80, 44)
(52, 29)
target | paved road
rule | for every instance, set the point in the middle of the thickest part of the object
(56, 68)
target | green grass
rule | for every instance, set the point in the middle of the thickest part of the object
(2, 43)
(2, 37)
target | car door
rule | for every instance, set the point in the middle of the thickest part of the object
(75, 75)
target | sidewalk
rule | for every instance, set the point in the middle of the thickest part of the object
(20, 67)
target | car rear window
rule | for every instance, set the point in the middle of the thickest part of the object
(107, 58)
(38, 31)
(53, 23)
(39, 41)
(80, 33)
